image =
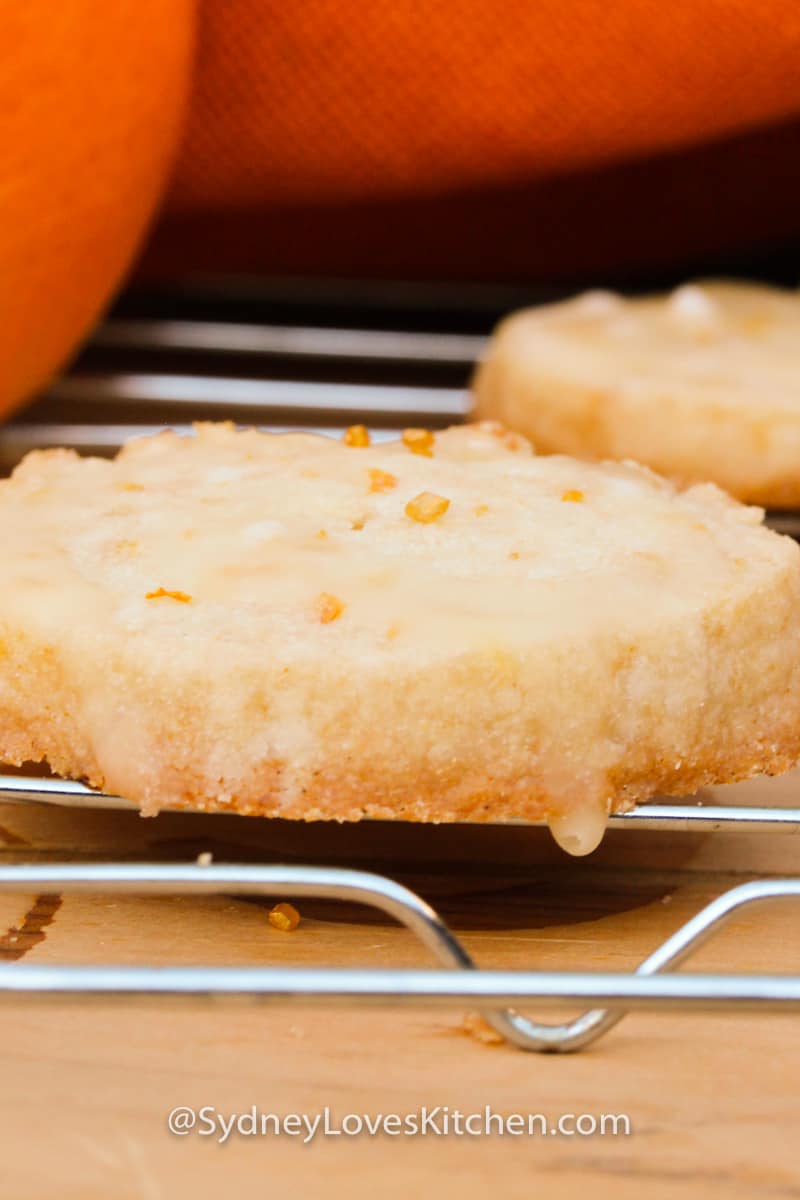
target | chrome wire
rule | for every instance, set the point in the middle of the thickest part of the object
(618, 993)
(689, 817)
(304, 398)
(291, 341)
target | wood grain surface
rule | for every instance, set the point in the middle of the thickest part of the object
(712, 1101)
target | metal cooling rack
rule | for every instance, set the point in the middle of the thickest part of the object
(318, 357)
(650, 987)
(683, 816)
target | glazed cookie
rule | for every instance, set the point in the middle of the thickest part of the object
(441, 628)
(700, 384)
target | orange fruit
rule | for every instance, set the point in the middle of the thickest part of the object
(91, 103)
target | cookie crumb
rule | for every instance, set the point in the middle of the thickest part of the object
(478, 1027)
(284, 917)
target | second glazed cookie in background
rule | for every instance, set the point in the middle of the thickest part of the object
(702, 384)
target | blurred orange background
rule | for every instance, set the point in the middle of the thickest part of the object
(526, 141)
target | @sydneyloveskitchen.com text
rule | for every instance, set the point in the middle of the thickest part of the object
(436, 1120)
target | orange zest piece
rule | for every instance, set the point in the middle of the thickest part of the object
(356, 435)
(427, 507)
(167, 593)
(419, 441)
(328, 607)
(284, 917)
(381, 481)
(573, 495)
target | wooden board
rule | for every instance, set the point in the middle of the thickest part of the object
(87, 1086)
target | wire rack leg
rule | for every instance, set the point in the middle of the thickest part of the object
(421, 919)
